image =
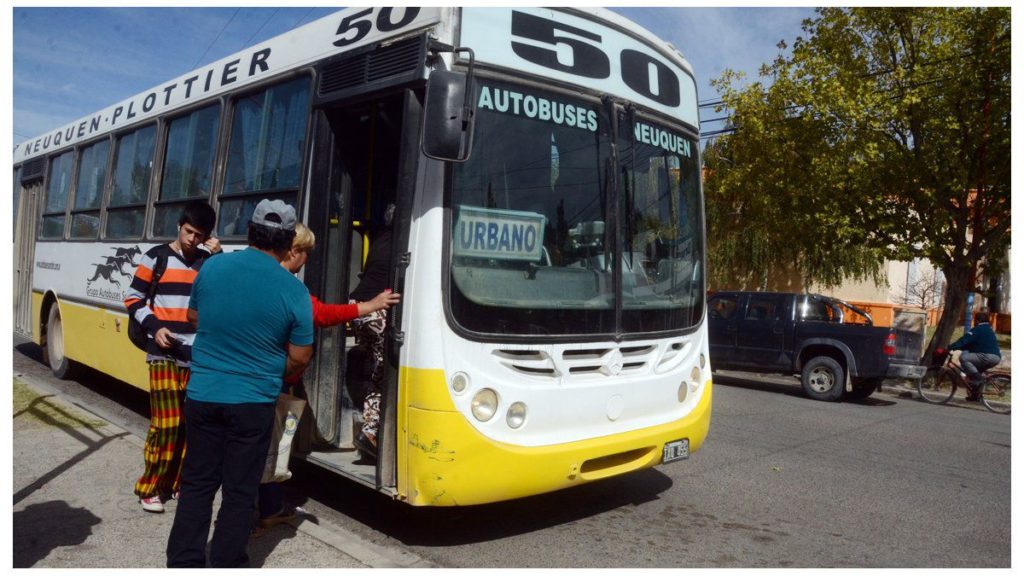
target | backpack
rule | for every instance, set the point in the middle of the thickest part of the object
(136, 333)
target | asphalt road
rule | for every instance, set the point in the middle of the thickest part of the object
(782, 481)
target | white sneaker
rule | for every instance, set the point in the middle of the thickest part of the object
(152, 504)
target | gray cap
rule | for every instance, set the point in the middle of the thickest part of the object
(274, 214)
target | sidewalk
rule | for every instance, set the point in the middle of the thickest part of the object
(74, 507)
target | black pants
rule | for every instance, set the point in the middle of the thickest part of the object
(226, 447)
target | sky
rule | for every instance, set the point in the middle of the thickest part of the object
(71, 62)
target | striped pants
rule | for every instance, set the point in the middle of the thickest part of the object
(165, 442)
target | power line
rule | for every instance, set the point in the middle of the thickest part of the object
(198, 60)
(269, 18)
(296, 25)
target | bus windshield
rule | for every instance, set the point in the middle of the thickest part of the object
(533, 237)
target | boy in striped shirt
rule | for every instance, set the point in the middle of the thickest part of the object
(169, 348)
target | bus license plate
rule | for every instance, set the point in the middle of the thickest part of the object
(677, 450)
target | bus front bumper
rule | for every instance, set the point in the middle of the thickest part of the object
(451, 464)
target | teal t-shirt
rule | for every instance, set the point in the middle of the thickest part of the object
(250, 309)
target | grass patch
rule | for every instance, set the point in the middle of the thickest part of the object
(30, 406)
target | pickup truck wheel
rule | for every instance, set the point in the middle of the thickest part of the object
(823, 379)
(862, 388)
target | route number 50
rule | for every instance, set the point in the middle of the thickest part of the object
(359, 28)
(643, 73)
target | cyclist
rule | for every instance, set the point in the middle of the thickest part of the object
(980, 351)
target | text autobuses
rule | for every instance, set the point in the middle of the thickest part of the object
(573, 115)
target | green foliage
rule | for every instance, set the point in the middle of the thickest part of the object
(885, 134)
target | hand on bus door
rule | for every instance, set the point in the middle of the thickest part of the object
(381, 301)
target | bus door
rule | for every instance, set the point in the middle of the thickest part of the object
(28, 191)
(363, 155)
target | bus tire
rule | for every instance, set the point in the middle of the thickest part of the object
(823, 379)
(62, 366)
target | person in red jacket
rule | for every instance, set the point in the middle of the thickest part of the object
(271, 499)
(325, 315)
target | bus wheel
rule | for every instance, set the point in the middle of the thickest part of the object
(62, 367)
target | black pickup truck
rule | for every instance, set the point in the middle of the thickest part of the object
(806, 334)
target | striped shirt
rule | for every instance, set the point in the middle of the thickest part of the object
(170, 303)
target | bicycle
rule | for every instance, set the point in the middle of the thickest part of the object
(941, 381)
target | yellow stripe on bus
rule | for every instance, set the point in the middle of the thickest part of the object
(98, 338)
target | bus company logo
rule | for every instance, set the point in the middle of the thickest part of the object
(106, 270)
(615, 363)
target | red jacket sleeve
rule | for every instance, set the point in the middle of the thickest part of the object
(325, 315)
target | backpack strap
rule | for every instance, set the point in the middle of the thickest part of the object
(158, 272)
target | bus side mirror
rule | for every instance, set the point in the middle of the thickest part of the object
(448, 114)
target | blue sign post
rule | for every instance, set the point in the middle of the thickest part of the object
(969, 312)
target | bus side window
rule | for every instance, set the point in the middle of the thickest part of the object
(264, 156)
(129, 187)
(188, 165)
(92, 175)
(58, 184)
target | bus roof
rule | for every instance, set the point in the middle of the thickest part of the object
(279, 54)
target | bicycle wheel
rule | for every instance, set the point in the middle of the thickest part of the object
(996, 394)
(937, 385)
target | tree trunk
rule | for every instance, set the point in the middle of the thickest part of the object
(958, 278)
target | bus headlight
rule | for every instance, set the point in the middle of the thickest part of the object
(516, 415)
(684, 391)
(460, 382)
(695, 376)
(485, 404)
(702, 361)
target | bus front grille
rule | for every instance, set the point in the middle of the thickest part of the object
(592, 362)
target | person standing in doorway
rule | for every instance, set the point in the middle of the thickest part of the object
(255, 326)
(169, 346)
(369, 329)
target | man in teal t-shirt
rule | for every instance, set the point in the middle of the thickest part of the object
(255, 325)
(248, 284)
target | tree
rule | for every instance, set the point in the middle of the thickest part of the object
(925, 291)
(884, 135)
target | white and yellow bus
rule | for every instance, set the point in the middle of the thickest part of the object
(548, 240)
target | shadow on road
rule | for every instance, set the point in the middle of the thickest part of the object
(261, 547)
(35, 536)
(787, 386)
(128, 396)
(756, 383)
(481, 523)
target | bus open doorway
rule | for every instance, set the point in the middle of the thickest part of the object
(361, 152)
